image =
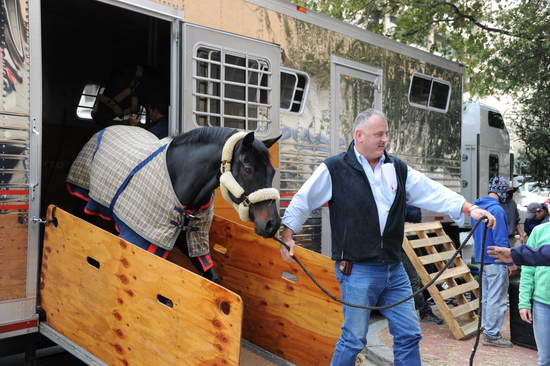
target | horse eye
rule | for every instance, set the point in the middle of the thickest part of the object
(248, 170)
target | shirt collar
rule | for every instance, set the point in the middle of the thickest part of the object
(362, 160)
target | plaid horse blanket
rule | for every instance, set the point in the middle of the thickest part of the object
(123, 169)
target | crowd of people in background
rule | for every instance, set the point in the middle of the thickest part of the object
(531, 251)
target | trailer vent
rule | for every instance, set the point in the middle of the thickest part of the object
(294, 87)
(429, 93)
(231, 89)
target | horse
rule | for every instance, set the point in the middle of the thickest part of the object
(127, 90)
(195, 164)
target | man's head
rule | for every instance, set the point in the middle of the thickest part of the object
(371, 133)
(536, 211)
(498, 185)
(157, 107)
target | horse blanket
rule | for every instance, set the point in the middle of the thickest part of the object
(123, 169)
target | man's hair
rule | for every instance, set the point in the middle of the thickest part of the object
(363, 117)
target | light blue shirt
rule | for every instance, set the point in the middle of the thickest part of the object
(421, 192)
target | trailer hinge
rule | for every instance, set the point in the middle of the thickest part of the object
(33, 191)
(35, 127)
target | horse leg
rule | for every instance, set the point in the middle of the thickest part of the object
(203, 264)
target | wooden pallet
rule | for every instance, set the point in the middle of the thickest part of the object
(427, 244)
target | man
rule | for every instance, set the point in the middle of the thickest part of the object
(522, 255)
(512, 215)
(537, 213)
(495, 275)
(158, 123)
(367, 191)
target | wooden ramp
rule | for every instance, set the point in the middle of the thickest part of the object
(128, 307)
(284, 312)
(427, 246)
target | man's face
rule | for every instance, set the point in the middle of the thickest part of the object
(371, 137)
(540, 214)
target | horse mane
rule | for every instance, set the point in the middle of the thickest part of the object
(204, 135)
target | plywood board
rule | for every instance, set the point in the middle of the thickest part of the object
(13, 257)
(290, 318)
(109, 297)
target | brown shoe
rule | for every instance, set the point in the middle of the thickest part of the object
(497, 342)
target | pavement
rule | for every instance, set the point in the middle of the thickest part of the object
(439, 348)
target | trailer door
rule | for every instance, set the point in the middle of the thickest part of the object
(354, 88)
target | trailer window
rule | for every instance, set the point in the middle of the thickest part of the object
(495, 120)
(87, 100)
(231, 89)
(429, 93)
(493, 165)
(294, 87)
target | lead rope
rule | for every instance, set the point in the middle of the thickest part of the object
(479, 328)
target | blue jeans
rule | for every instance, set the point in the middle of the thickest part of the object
(377, 284)
(541, 322)
(495, 298)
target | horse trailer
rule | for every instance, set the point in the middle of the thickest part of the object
(262, 65)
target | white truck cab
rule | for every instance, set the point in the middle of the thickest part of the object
(485, 149)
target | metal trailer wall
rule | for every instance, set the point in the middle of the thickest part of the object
(18, 256)
(427, 140)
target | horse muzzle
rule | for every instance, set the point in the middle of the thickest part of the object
(266, 218)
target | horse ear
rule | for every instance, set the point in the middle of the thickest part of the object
(248, 140)
(268, 143)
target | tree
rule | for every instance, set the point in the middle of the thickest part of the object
(504, 45)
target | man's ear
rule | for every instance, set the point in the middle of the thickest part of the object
(269, 142)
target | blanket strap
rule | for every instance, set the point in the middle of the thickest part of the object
(133, 172)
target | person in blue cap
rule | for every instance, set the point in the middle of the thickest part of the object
(495, 274)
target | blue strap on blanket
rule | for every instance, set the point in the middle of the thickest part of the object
(99, 138)
(133, 172)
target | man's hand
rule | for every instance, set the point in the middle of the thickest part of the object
(503, 255)
(522, 238)
(286, 236)
(526, 315)
(477, 213)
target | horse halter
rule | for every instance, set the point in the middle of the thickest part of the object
(228, 183)
(114, 102)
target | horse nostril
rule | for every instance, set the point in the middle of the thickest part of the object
(271, 227)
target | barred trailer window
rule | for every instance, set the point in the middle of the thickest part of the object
(231, 89)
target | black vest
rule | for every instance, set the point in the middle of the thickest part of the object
(353, 214)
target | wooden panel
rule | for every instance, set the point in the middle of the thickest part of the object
(451, 273)
(424, 226)
(290, 318)
(465, 308)
(13, 257)
(437, 257)
(420, 243)
(460, 289)
(115, 311)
